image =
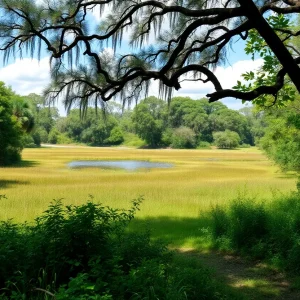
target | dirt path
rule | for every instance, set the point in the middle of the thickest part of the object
(253, 279)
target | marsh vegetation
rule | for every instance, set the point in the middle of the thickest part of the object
(176, 209)
(198, 180)
(91, 242)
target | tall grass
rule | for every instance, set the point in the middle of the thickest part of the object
(263, 230)
(174, 197)
(199, 179)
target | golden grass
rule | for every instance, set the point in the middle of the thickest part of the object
(200, 178)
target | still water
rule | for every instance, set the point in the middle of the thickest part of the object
(129, 165)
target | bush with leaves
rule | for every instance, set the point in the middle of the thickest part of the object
(281, 140)
(265, 231)
(183, 137)
(226, 139)
(84, 252)
(149, 118)
(53, 136)
(11, 132)
(116, 136)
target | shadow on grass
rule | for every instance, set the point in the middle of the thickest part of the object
(177, 232)
(190, 237)
(25, 164)
(147, 147)
(288, 175)
(10, 183)
(253, 279)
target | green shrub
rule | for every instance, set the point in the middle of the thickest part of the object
(132, 140)
(220, 226)
(116, 136)
(284, 231)
(63, 138)
(268, 231)
(204, 145)
(183, 137)
(244, 145)
(53, 136)
(11, 132)
(244, 222)
(167, 137)
(62, 242)
(226, 139)
(249, 223)
(28, 141)
(56, 137)
(43, 134)
(36, 138)
(84, 252)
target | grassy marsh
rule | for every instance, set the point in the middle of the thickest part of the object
(174, 198)
(199, 179)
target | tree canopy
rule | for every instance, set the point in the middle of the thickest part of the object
(190, 39)
(281, 139)
(149, 119)
(10, 129)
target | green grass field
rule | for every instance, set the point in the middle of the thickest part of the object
(177, 200)
(174, 198)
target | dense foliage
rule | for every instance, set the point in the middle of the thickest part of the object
(188, 39)
(11, 127)
(84, 252)
(279, 134)
(226, 139)
(281, 140)
(185, 123)
(262, 230)
(271, 73)
(149, 119)
(93, 129)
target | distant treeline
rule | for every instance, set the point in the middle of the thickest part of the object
(184, 123)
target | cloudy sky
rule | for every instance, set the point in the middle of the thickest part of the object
(32, 76)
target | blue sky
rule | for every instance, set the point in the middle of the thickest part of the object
(32, 76)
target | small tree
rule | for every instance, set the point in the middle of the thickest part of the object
(10, 129)
(53, 136)
(282, 136)
(226, 139)
(148, 118)
(116, 136)
(183, 137)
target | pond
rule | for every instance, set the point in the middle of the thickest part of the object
(129, 165)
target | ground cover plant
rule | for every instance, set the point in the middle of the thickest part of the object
(262, 230)
(83, 252)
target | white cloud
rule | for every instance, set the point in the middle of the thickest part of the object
(32, 76)
(228, 76)
(27, 75)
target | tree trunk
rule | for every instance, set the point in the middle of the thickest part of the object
(273, 41)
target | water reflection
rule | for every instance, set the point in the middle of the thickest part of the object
(129, 165)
